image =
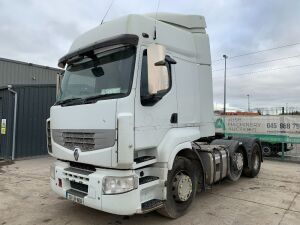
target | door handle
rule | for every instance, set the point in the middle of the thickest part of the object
(174, 118)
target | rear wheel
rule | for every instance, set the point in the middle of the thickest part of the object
(236, 165)
(267, 150)
(181, 188)
(253, 169)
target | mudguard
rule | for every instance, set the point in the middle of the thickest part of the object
(248, 143)
(232, 145)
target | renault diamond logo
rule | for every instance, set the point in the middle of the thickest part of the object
(76, 153)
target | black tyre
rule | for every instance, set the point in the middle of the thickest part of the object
(236, 165)
(181, 188)
(267, 150)
(253, 169)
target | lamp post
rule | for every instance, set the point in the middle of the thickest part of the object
(225, 59)
(248, 102)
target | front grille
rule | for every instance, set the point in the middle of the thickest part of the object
(80, 187)
(86, 140)
(48, 132)
(82, 166)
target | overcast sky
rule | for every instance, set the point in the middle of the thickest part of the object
(41, 31)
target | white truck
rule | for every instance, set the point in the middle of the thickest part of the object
(133, 126)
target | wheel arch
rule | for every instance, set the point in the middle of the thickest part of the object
(174, 141)
(192, 154)
(183, 147)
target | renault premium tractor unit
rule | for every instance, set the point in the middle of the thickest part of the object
(133, 126)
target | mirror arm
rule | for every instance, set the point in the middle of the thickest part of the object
(160, 63)
(170, 60)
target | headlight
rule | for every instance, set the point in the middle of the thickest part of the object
(52, 172)
(117, 185)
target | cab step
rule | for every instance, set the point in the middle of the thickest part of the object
(151, 205)
(144, 161)
(147, 179)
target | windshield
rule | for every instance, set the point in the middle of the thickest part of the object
(95, 75)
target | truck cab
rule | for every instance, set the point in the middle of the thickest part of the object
(132, 106)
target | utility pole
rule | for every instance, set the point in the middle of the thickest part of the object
(225, 59)
(248, 102)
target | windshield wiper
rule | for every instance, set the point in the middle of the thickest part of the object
(79, 101)
(68, 101)
(97, 97)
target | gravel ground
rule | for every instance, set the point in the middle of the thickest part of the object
(271, 198)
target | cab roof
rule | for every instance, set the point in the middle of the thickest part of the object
(175, 31)
(181, 20)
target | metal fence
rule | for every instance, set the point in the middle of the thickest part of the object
(286, 110)
(292, 154)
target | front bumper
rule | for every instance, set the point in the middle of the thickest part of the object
(122, 204)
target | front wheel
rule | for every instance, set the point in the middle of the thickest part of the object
(181, 188)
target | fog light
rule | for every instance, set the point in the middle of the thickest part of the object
(118, 185)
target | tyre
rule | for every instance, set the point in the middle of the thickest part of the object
(181, 188)
(236, 165)
(253, 169)
(267, 150)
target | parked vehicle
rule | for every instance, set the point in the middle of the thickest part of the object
(276, 133)
(272, 149)
(133, 126)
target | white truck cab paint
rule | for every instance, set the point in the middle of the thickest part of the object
(134, 106)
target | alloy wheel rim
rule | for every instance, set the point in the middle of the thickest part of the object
(238, 161)
(182, 187)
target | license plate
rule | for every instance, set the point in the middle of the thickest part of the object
(74, 198)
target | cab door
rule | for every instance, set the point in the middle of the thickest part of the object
(153, 117)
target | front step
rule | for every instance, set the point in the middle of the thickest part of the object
(152, 205)
(147, 179)
(144, 161)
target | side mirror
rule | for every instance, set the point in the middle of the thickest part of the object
(59, 77)
(158, 77)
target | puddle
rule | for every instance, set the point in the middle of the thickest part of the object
(5, 163)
